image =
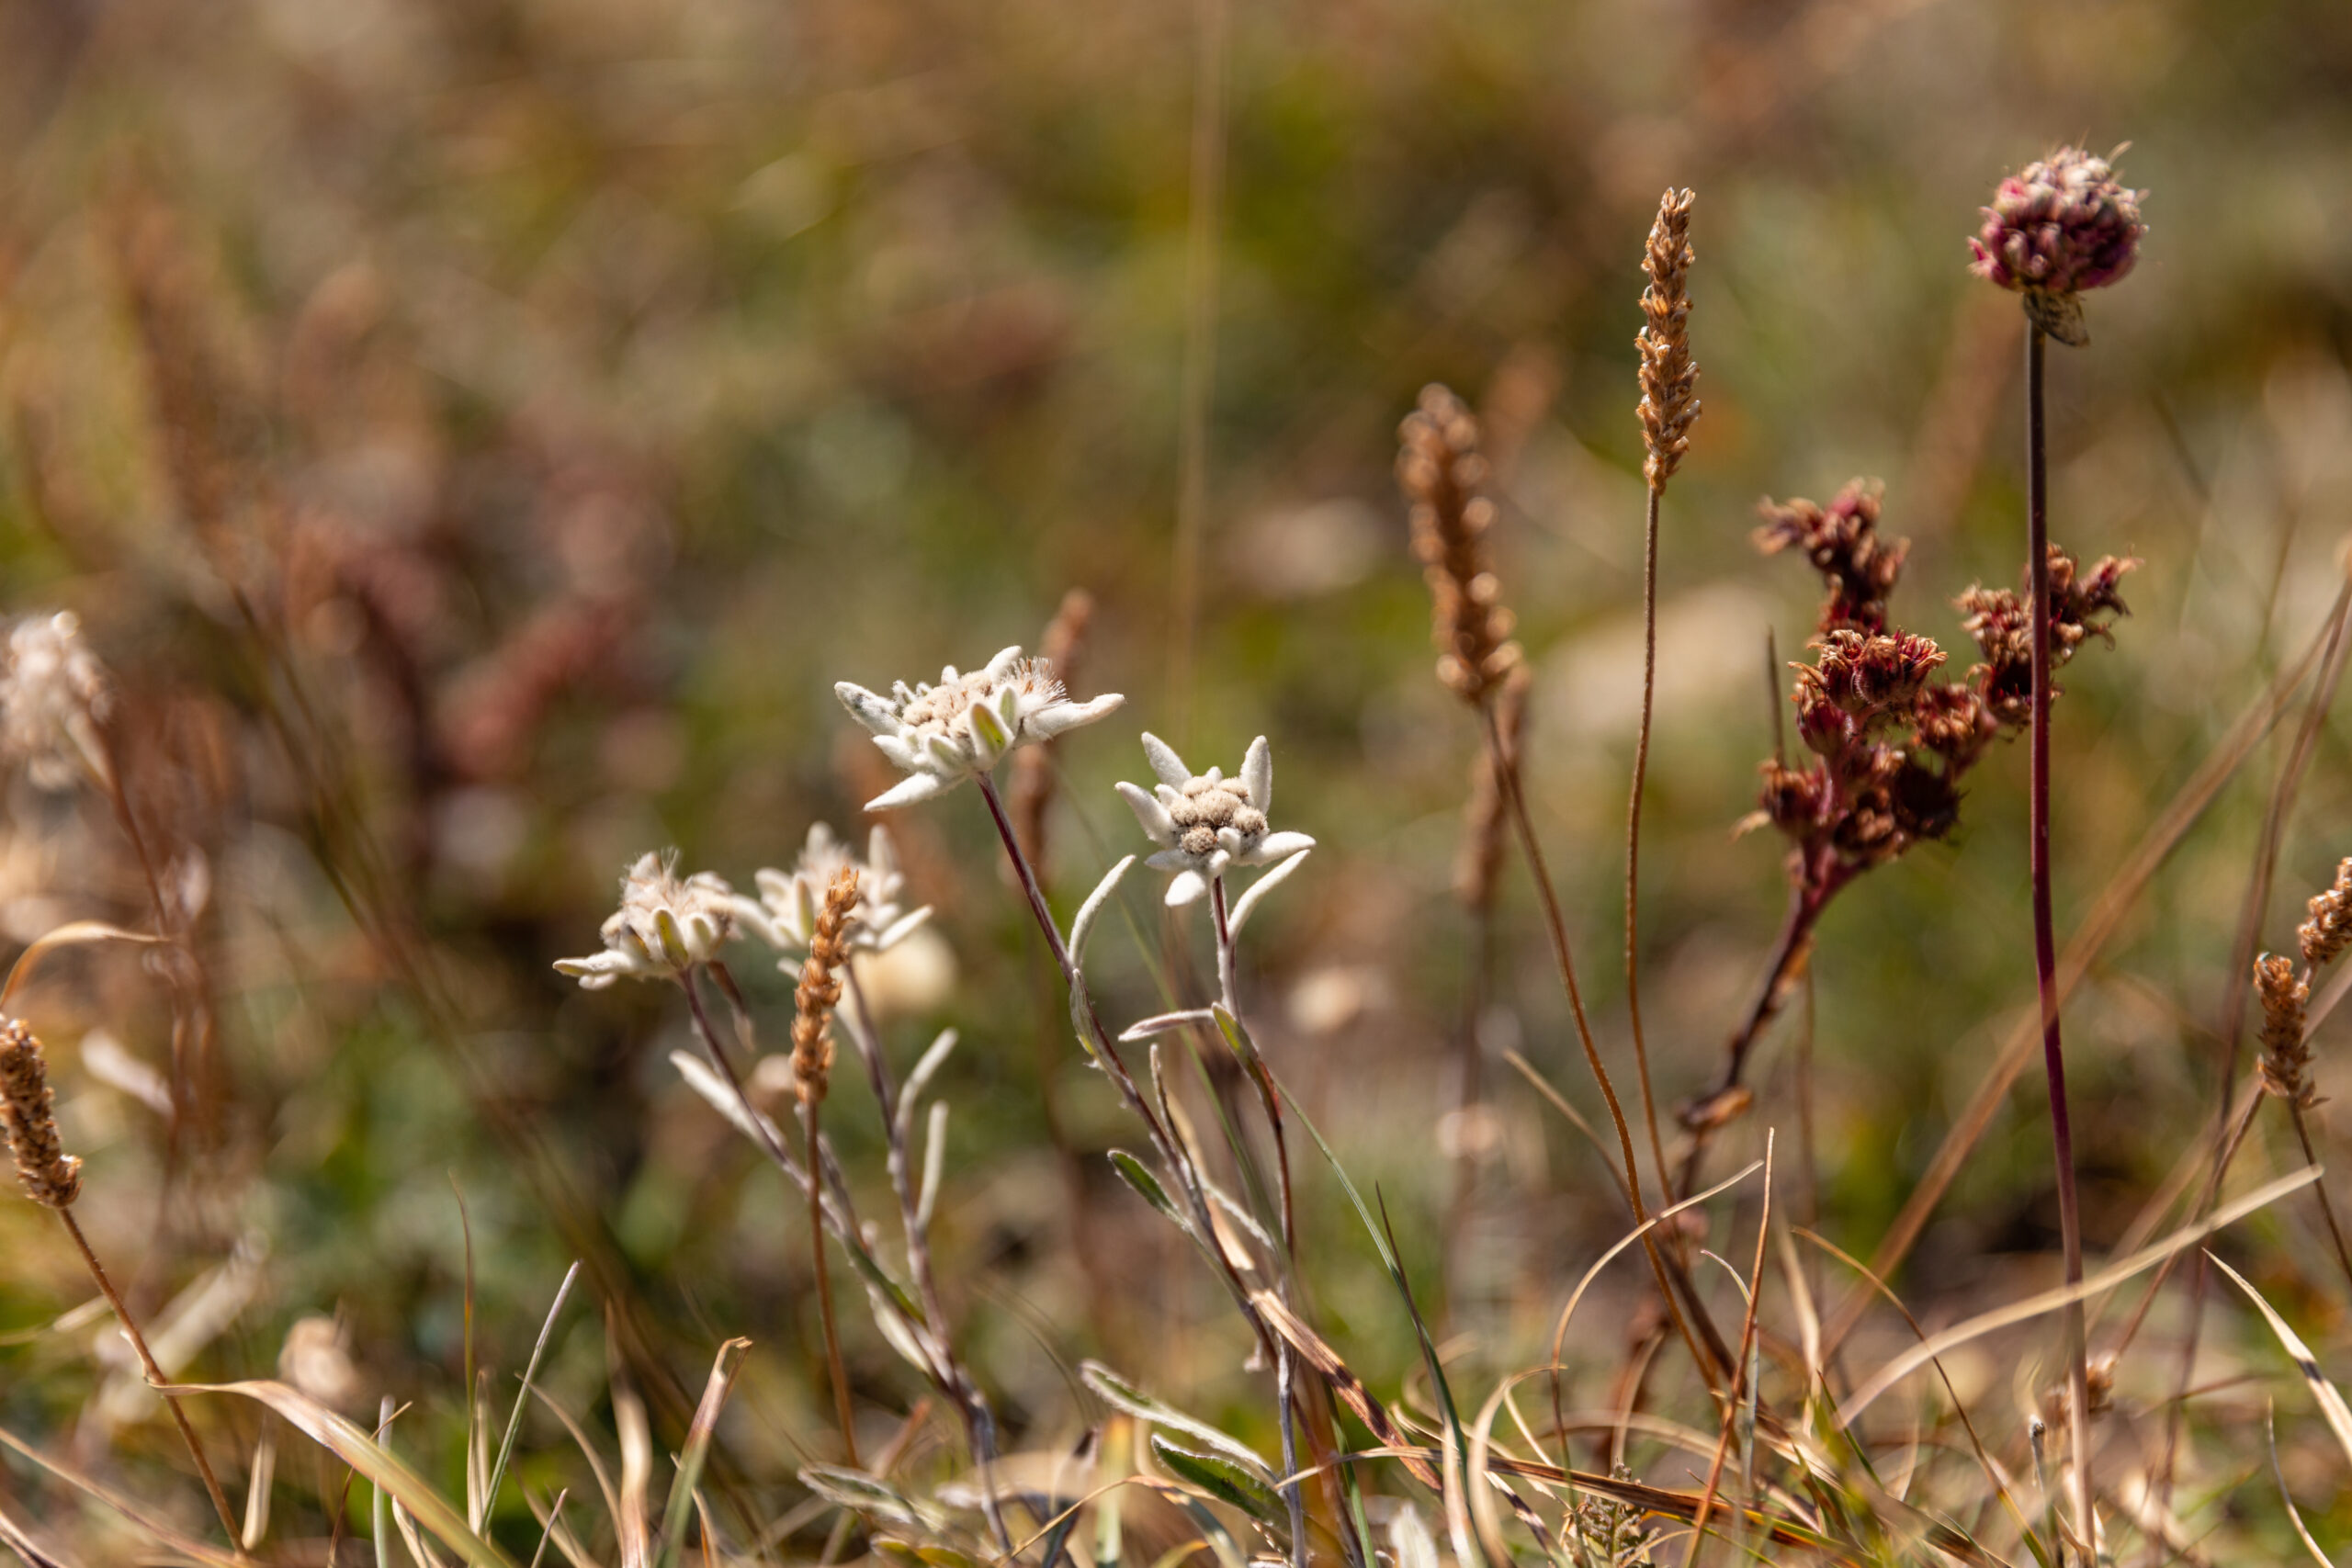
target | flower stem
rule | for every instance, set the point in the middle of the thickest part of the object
(2045, 947)
(155, 1376)
(1633, 830)
(1714, 1362)
(1284, 1364)
(844, 1411)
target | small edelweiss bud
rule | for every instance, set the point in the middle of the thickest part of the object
(939, 736)
(1204, 823)
(2329, 930)
(53, 696)
(2056, 228)
(28, 1107)
(665, 926)
(785, 913)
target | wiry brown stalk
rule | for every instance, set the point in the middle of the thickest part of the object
(1669, 404)
(52, 1178)
(1439, 469)
(1031, 796)
(813, 1000)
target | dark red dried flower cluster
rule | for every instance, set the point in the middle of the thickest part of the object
(1890, 743)
(2082, 604)
(1841, 541)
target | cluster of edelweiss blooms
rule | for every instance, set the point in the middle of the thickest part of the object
(940, 736)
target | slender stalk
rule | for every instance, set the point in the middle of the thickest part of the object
(155, 1375)
(2045, 946)
(844, 1411)
(2319, 1190)
(1713, 1366)
(1806, 901)
(1634, 832)
(971, 1405)
(1284, 1363)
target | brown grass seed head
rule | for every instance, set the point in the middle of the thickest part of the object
(48, 1174)
(1441, 473)
(2329, 930)
(1668, 376)
(2285, 1055)
(820, 990)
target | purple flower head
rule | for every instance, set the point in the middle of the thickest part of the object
(2059, 226)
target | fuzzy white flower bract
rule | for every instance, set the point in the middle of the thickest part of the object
(939, 736)
(53, 696)
(665, 925)
(784, 914)
(1205, 822)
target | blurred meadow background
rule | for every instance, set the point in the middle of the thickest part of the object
(476, 436)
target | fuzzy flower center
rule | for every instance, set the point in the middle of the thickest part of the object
(938, 710)
(1203, 806)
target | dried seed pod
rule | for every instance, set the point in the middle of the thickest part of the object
(820, 990)
(2286, 1055)
(2329, 930)
(1669, 378)
(50, 1175)
(1443, 475)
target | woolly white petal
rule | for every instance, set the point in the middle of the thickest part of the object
(1002, 665)
(905, 754)
(1055, 718)
(1083, 926)
(1158, 826)
(1165, 763)
(1258, 890)
(866, 708)
(941, 755)
(900, 929)
(1258, 774)
(909, 791)
(881, 856)
(991, 738)
(1170, 860)
(1188, 887)
(1281, 846)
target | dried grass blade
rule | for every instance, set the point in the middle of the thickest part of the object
(723, 1370)
(1919, 1355)
(2294, 1517)
(187, 1546)
(71, 933)
(2331, 1402)
(258, 1486)
(1111, 1389)
(523, 1394)
(371, 1459)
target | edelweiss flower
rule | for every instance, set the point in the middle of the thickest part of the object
(943, 735)
(784, 914)
(52, 698)
(664, 926)
(1206, 822)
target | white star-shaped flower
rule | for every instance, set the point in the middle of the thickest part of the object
(665, 925)
(784, 914)
(1206, 822)
(940, 736)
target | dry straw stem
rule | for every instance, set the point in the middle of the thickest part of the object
(1441, 472)
(813, 1001)
(52, 1178)
(1668, 405)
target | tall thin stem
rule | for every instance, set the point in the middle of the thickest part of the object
(1713, 1362)
(844, 1411)
(1285, 1366)
(2045, 945)
(155, 1375)
(1633, 832)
